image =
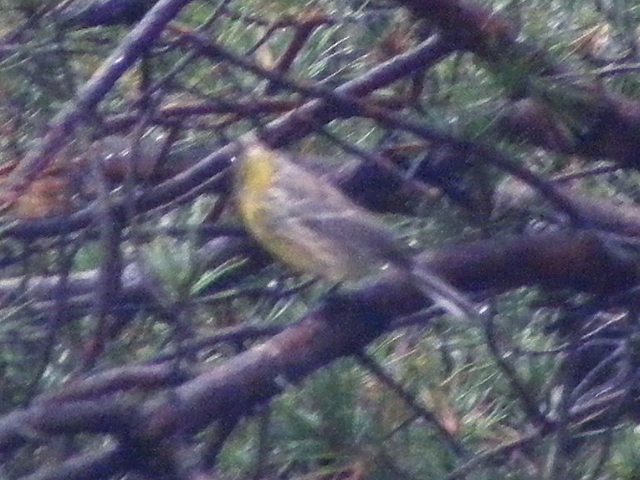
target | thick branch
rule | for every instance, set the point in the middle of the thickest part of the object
(589, 120)
(138, 41)
(578, 260)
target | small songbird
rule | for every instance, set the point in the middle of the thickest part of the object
(308, 224)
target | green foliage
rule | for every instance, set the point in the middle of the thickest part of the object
(478, 382)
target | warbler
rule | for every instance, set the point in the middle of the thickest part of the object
(308, 224)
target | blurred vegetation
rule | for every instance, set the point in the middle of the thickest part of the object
(198, 275)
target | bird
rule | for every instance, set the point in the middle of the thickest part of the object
(308, 224)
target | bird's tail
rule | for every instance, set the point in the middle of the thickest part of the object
(444, 294)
